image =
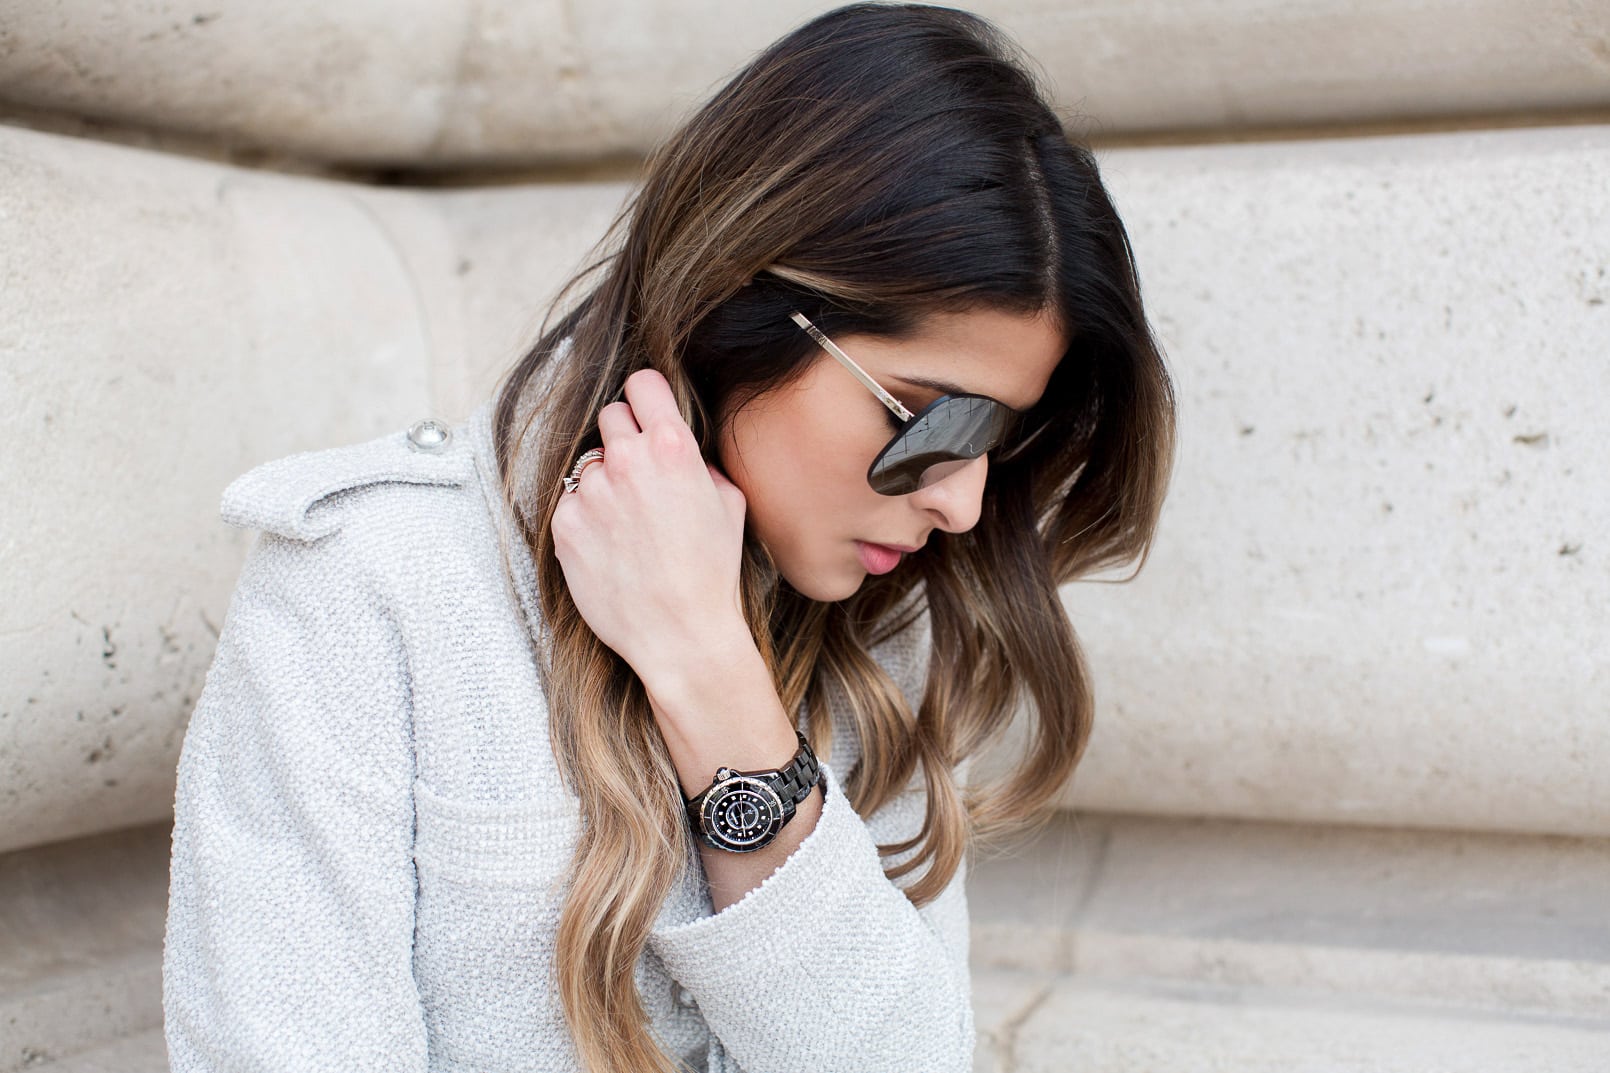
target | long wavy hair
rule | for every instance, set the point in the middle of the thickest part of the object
(876, 165)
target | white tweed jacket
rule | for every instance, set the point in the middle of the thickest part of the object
(371, 835)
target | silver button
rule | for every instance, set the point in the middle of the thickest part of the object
(429, 435)
(682, 996)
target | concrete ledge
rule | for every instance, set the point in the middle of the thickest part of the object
(1123, 943)
(515, 246)
(1002, 1000)
(1378, 588)
(447, 84)
(1485, 924)
(1103, 943)
(144, 1052)
(1113, 1028)
(164, 325)
(81, 926)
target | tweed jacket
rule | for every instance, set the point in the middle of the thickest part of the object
(371, 835)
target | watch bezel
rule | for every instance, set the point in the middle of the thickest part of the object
(773, 812)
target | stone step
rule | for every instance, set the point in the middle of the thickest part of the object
(143, 1052)
(1512, 925)
(1029, 1022)
(81, 927)
(1049, 1023)
(1103, 943)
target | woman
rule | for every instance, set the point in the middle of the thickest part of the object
(624, 727)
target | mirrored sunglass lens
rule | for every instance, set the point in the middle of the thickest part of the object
(940, 470)
(938, 442)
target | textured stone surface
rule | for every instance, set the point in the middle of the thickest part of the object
(1206, 945)
(1026, 897)
(1377, 591)
(515, 247)
(164, 325)
(1097, 1028)
(1002, 999)
(146, 1052)
(443, 82)
(81, 947)
(1509, 924)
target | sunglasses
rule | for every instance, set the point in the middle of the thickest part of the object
(933, 443)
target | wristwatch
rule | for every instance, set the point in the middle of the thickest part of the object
(742, 811)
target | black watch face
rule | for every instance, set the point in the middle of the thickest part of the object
(742, 814)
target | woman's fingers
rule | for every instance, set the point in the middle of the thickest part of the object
(615, 421)
(655, 406)
(651, 556)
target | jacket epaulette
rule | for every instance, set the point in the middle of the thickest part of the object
(291, 496)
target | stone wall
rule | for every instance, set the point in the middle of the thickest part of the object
(1374, 241)
(452, 84)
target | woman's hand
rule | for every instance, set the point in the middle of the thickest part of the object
(651, 542)
(651, 545)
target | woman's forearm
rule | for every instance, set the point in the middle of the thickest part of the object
(717, 707)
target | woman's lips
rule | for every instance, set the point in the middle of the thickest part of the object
(878, 558)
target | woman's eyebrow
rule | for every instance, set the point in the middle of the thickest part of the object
(944, 387)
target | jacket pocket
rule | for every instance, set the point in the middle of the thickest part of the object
(515, 845)
(491, 887)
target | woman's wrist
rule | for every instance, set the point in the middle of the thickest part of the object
(717, 706)
(678, 667)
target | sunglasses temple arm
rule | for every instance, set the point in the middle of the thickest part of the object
(860, 374)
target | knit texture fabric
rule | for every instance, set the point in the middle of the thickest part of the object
(371, 833)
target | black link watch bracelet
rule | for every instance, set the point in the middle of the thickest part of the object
(742, 811)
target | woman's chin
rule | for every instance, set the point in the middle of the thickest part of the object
(824, 586)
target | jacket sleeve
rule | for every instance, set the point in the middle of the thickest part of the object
(290, 918)
(827, 966)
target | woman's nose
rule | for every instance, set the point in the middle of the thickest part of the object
(956, 501)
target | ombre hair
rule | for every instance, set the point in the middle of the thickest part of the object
(879, 164)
